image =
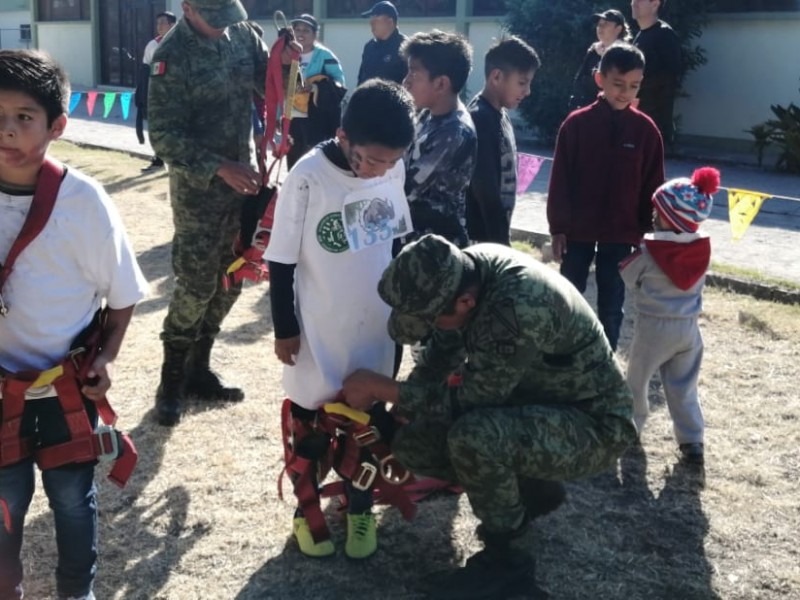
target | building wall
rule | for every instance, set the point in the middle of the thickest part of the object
(10, 20)
(72, 43)
(753, 61)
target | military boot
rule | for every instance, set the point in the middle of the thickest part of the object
(540, 496)
(202, 382)
(170, 389)
(499, 571)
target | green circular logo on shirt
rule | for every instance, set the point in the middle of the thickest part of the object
(330, 233)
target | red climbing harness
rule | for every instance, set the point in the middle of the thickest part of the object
(258, 212)
(339, 435)
(64, 380)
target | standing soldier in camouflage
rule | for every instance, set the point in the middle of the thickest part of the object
(541, 398)
(202, 80)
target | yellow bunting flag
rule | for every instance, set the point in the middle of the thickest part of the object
(743, 206)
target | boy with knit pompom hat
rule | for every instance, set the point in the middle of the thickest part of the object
(666, 277)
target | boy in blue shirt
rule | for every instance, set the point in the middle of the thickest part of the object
(440, 163)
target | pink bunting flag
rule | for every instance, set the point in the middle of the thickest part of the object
(528, 167)
(91, 98)
(108, 103)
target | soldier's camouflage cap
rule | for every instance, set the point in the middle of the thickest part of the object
(419, 285)
(219, 14)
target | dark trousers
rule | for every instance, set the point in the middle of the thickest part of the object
(610, 287)
(73, 499)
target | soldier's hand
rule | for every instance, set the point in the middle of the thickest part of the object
(241, 178)
(559, 243)
(287, 349)
(363, 388)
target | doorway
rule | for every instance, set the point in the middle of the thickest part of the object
(125, 28)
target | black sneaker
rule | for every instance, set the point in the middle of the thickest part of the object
(692, 453)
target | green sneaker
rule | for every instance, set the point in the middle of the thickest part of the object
(362, 539)
(306, 542)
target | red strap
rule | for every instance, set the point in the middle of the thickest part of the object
(302, 471)
(44, 199)
(12, 447)
(273, 100)
(108, 444)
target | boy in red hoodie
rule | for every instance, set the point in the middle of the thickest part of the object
(666, 278)
(609, 160)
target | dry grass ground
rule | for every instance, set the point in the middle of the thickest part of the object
(201, 518)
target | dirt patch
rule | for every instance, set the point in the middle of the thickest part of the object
(201, 517)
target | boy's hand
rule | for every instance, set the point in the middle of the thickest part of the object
(559, 244)
(99, 379)
(287, 349)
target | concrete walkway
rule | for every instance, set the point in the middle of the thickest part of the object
(771, 246)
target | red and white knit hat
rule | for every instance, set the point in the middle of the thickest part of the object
(685, 203)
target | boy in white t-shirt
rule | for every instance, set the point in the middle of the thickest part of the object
(339, 209)
(50, 295)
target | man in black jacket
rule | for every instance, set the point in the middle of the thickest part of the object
(662, 54)
(381, 57)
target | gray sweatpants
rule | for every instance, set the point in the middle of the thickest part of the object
(674, 347)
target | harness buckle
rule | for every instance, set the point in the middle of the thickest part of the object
(389, 471)
(73, 355)
(368, 436)
(365, 477)
(109, 443)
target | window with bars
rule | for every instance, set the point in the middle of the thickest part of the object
(265, 9)
(25, 33)
(350, 9)
(740, 6)
(486, 8)
(64, 10)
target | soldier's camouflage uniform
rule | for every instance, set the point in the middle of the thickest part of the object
(542, 395)
(200, 106)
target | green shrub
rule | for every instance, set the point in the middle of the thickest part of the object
(561, 31)
(784, 132)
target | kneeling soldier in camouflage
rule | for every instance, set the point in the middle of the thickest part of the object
(541, 398)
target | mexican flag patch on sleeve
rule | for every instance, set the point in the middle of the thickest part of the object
(158, 68)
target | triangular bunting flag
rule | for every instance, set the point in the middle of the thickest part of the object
(74, 99)
(125, 103)
(743, 206)
(108, 103)
(528, 167)
(91, 98)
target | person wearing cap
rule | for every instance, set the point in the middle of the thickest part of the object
(381, 57)
(611, 27)
(664, 64)
(541, 398)
(202, 81)
(317, 105)
(666, 278)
